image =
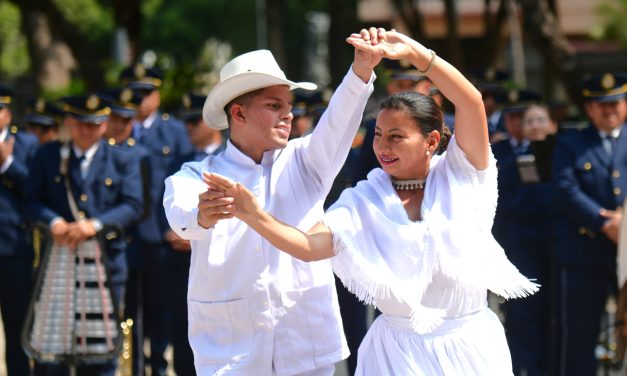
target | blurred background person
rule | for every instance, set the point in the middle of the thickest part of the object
(205, 140)
(166, 140)
(16, 256)
(491, 84)
(123, 103)
(303, 121)
(590, 173)
(525, 227)
(105, 185)
(43, 119)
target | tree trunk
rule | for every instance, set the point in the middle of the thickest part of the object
(343, 23)
(127, 15)
(452, 37)
(493, 40)
(412, 18)
(56, 41)
(275, 26)
(51, 58)
(543, 29)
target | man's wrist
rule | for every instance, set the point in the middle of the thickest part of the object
(97, 225)
(4, 166)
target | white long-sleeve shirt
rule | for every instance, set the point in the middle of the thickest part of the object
(252, 307)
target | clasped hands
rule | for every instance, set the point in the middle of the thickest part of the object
(72, 233)
(611, 227)
(223, 199)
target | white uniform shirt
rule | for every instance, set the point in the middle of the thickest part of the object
(252, 308)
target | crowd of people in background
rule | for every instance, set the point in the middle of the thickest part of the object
(561, 190)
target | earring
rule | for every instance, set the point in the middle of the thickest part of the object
(428, 152)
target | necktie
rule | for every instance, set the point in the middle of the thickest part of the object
(138, 130)
(609, 143)
(83, 165)
(520, 149)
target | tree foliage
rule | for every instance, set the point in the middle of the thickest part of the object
(614, 16)
(14, 59)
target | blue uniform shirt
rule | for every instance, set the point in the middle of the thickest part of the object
(168, 145)
(111, 192)
(12, 182)
(588, 179)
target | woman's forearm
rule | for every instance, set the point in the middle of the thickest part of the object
(316, 244)
(471, 129)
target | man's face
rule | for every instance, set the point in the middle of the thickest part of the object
(84, 134)
(264, 123)
(200, 135)
(301, 125)
(513, 124)
(5, 117)
(119, 128)
(151, 99)
(43, 134)
(607, 116)
(489, 103)
(403, 85)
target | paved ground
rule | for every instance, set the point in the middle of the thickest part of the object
(341, 369)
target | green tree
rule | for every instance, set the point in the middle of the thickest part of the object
(614, 16)
(14, 60)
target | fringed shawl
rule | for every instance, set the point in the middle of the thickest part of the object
(379, 251)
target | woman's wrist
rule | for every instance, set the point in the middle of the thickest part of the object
(422, 58)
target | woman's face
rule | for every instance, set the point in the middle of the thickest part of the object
(537, 124)
(400, 147)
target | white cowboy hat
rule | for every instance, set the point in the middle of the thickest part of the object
(245, 73)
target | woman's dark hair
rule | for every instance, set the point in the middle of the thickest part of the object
(423, 110)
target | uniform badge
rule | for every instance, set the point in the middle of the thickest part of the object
(490, 74)
(126, 95)
(512, 96)
(40, 105)
(140, 71)
(187, 102)
(608, 81)
(92, 102)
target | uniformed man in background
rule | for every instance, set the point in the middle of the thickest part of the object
(105, 187)
(16, 257)
(166, 140)
(590, 172)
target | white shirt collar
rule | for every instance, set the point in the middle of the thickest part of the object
(4, 133)
(515, 143)
(209, 149)
(89, 154)
(236, 155)
(613, 133)
(147, 123)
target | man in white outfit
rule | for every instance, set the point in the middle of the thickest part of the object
(254, 310)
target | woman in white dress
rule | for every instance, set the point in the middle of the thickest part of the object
(415, 237)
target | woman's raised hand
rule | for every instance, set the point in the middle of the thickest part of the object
(388, 44)
(244, 202)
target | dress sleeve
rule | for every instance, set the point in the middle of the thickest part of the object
(472, 189)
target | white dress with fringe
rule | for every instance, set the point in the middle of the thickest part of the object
(429, 278)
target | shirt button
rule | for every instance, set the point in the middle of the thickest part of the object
(616, 174)
(83, 197)
(617, 191)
